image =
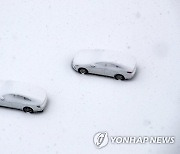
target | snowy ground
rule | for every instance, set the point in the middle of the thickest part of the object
(38, 40)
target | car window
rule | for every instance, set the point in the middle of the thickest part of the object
(27, 99)
(113, 65)
(110, 65)
(22, 97)
(19, 96)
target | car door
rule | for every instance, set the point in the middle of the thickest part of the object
(113, 69)
(17, 101)
(110, 69)
(5, 100)
(99, 68)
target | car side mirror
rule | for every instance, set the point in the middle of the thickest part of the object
(1, 98)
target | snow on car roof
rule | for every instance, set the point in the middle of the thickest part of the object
(18, 88)
(94, 56)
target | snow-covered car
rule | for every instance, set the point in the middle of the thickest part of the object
(22, 96)
(106, 63)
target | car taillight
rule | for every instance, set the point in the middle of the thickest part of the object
(129, 72)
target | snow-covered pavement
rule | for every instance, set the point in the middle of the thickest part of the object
(38, 40)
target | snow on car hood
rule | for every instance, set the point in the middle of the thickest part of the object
(24, 89)
(85, 57)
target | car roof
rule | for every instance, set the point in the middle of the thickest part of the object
(85, 57)
(22, 89)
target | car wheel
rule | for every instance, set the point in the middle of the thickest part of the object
(82, 70)
(119, 77)
(28, 109)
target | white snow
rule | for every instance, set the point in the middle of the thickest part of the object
(85, 57)
(38, 40)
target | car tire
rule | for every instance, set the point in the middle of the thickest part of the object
(82, 70)
(28, 109)
(119, 77)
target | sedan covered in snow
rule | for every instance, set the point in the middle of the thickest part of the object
(106, 63)
(22, 96)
